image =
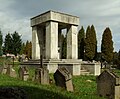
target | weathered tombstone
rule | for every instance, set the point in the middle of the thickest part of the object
(10, 71)
(63, 78)
(3, 69)
(108, 85)
(41, 76)
(23, 73)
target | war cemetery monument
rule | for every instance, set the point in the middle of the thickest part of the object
(46, 42)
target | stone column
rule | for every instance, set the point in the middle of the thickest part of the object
(51, 40)
(35, 44)
(72, 45)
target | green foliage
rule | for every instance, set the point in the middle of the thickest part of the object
(17, 43)
(119, 55)
(90, 43)
(107, 45)
(12, 43)
(28, 49)
(1, 42)
(8, 45)
(22, 51)
(81, 43)
(83, 89)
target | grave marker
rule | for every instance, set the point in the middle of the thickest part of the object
(63, 78)
(23, 73)
(41, 76)
(108, 85)
(10, 71)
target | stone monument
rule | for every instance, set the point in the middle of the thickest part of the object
(46, 33)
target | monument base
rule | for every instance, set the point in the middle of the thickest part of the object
(74, 66)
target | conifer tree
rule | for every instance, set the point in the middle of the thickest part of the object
(8, 45)
(1, 42)
(81, 43)
(107, 45)
(94, 41)
(17, 43)
(22, 51)
(28, 49)
(90, 43)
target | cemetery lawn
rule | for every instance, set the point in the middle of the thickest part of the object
(85, 88)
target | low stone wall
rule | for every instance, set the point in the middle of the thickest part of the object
(93, 68)
(74, 68)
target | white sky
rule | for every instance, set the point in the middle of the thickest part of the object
(15, 15)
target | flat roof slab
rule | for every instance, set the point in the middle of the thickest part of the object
(55, 16)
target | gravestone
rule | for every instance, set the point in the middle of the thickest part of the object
(108, 85)
(3, 69)
(10, 71)
(41, 76)
(63, 78)
(23, 73)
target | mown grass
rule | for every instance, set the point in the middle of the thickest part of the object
(84, 87)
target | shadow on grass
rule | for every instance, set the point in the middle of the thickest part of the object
(39, 93)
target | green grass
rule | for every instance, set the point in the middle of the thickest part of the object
(84, 87)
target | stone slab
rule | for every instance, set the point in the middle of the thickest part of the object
(55, 16)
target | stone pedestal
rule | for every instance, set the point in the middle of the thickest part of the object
(93, 68)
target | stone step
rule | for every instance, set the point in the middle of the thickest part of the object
(84, 72)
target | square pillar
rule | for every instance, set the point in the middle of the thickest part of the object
(72, 45)
(35, 44)
(51, 40)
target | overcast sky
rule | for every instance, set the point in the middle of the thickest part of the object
(15, 15)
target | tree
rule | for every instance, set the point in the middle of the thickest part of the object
(107, 45)
(119, 55)
(81, 43)
(1, 42)
(8, 46)
(90, 43)
(94, 41)
(28, 49)
(22, 51)
(17, 43)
